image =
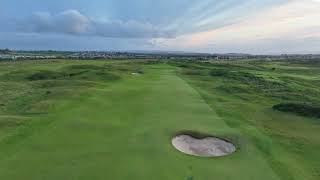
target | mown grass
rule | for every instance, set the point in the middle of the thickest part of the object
(115, 120)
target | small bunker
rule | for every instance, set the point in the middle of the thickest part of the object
(202, 146)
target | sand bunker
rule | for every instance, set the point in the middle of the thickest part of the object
(206, 147)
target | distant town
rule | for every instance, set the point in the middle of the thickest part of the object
(7, 54)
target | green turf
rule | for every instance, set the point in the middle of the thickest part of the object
(243, 94)
(114, 120)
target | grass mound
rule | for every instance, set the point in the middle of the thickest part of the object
(85, 66)
(89, 72)
(35, 90)
(299, 109)
(194, 134)
(17, 75)
(193, 72)
(126, 68)
(219, 72)
(242, 77)
(238, 81)
(77, 72)
(45, 75)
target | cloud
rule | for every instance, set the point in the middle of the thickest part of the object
(254, 26)
(69, 22)
(290, 27)
(72, 22)
(130, 29)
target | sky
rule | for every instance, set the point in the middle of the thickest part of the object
(210, 26)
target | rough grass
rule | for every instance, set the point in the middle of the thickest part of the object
(33, 87)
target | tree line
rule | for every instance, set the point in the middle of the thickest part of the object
(5, 51)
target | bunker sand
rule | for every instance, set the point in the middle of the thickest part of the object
(206, 147)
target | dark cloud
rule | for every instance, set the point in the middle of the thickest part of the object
(74, 23)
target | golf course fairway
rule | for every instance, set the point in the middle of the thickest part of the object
(122, 129)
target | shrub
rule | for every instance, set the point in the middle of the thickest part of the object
(219, 72)
(45, 75)
(85, 67)
(299, 109)
(192, 72)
